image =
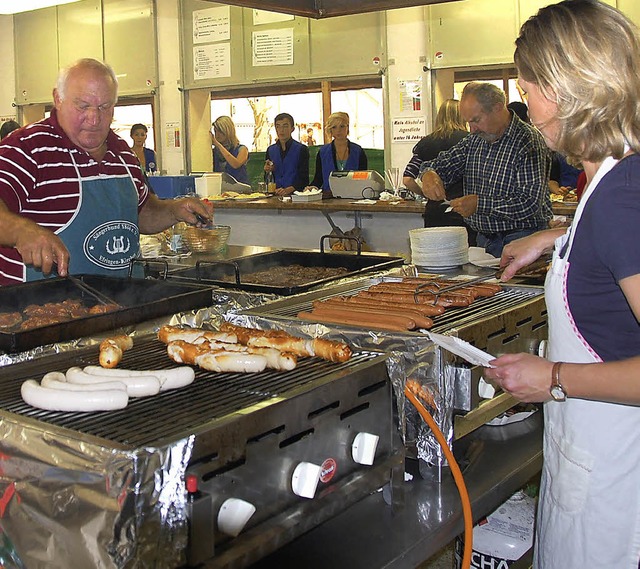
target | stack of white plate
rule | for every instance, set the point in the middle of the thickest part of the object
(439, 247)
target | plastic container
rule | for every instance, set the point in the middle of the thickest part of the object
(168, 187)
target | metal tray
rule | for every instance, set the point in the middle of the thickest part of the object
(214, 273)
(141, 299)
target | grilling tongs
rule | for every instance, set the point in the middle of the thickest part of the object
(99, 296)
(429, 285)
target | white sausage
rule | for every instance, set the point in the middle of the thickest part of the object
(137, 386)
(72, 401)
(275, 358)
(231, 362)
(57, 380)
(169, 378)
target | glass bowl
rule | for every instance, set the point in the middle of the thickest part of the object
(209, 240)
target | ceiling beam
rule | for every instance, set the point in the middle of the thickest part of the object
(327, 8)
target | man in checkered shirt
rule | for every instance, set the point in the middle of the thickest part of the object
(504, 165)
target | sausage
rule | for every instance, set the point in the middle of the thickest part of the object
(420, 320)
(427, 288)
(424, 309)
(281, 361)
(72, 401)
(173, 378)
(137, 386)
(392, 323)
(219, 361)
(232, 362)
(481, 288)
(111, 350)
(58, 380)
(168, 334)
(445, 300)
(329, 350)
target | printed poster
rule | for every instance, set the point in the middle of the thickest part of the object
(212, 61)
(211, 25)
(272, 47)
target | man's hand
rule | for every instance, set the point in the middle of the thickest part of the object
(42, 249)
(268, 166)
(465, 205)
(432, 186)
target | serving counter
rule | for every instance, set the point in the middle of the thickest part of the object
(272, 222)
(385, 226)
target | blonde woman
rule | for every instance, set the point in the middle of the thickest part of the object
(449, 130)
(340, 154)
(578, 63)
(228, 154)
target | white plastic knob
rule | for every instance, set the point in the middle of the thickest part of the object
(234, 515)
(363, 449)
(305, 479)
(485, 390)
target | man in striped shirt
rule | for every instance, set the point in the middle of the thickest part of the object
(72, 195)
(504, 165)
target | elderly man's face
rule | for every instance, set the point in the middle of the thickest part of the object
(487, 125)
(86, 112)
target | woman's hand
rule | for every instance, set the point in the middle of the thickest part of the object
(526, 377)
(523, 252)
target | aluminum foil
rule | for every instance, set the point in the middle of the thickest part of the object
(409, 358)
(72, 502)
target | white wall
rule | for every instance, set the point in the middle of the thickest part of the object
(171, 111)
(7, 69)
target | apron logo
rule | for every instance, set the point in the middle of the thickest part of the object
(118, 246)
(112, 245)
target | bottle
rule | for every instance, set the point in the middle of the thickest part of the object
(271, 182)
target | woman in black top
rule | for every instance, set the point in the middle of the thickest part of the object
(450, 129)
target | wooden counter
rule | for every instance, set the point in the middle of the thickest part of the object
(271, 222)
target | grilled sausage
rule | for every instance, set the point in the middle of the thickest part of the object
(359, 319)
(219, 361)
(420, 320)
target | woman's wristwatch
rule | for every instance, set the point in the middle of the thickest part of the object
(556, 390)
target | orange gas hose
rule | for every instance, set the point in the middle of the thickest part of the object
(457, 476)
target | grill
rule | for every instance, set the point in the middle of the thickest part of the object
(514, 320)
(233, 273)
(139, 300)
(240, 435)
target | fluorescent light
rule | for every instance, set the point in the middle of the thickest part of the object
(15, 6)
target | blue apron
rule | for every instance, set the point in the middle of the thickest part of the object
(102, 236)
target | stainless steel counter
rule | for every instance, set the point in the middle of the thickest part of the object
(496, 462)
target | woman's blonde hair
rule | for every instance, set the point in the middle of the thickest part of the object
(448, 119)
(225, 125)
(586, 55)
(335, 119)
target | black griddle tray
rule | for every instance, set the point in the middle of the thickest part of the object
(229, 274)
(140, 299)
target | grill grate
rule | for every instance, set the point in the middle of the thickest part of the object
(171, 415)
(453, 317)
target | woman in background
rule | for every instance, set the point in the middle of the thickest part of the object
(449, 130)
(339, 155)
(578, 63)
(146, 156)
(228, 154)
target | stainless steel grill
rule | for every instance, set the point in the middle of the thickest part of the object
(245, 434)
(513, 320)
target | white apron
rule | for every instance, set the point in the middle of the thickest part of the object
(589, 514)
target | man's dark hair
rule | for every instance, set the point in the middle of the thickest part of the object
(283, 116)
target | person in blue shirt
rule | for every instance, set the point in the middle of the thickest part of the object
(228, 154)
(288, 159)
(146, 156)
(341, 154)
